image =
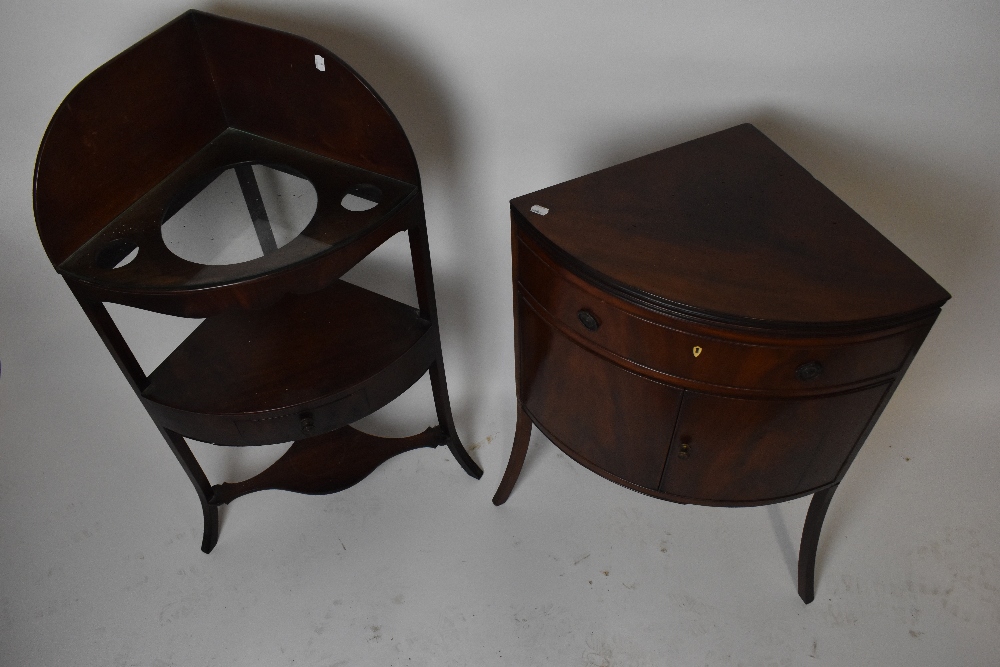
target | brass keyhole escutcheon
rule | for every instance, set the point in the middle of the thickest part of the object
(696, 351)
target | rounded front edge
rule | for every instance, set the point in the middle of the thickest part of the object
(134, 119)
(256, 293)
(657, 306)
(325, 414)
(160, 281)
(681, 500)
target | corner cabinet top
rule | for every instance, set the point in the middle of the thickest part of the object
(730, 229)
(140, 136)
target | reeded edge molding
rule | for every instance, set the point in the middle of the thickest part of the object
(683, 311)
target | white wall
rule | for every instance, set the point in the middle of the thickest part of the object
(893, 105)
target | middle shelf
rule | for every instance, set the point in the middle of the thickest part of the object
(305, 366)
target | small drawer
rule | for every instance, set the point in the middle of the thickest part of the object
(784, 365)
(305, 423)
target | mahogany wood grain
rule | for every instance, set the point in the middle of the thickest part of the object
(522, 435)
(326, 464)
(810, 540)
(158, 271)
(302, 355)
(260, 292)
(268, 84)
(729, 228)
(288, 351)
(666, 345)
(757, 450)
(210, 512)
(420, 254)
(254, 361)
(104, 149)
(596, 405)
(709, 324)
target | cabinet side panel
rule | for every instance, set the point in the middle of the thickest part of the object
(618, 421)
(121, 131)
(270, 85)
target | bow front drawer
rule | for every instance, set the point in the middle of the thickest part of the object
(682, 350)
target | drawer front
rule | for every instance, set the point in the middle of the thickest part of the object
(305, 423)
(616, 421)
(746, 450)
(718, 361)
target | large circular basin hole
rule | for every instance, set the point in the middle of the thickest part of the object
(362, 197)
(116, 254)
(225, 222)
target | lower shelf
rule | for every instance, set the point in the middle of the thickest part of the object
(327, 463)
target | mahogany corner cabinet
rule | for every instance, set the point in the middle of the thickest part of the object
(709, 324)
(287, 350)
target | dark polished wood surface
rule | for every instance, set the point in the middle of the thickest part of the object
(752, 449)
(104, 149)
(326, 464)
(279, 362)
(288, 351)
(269, 84)
(339, 353)
(649, 340)
(595, 404)
(156, 269)
(137, 118)
(729, 227)
(710, 325)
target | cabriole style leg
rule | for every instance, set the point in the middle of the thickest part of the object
(522, 434)
(439, 387)
(420, 254)
(810, 539)
(194, 472)
(119, 349)
(286, 349)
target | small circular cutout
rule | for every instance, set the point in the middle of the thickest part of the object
(116, 254)
(361, 197)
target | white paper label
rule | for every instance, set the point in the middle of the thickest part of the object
(540, 210)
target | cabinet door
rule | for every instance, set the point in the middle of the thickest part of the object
(615, 420)
(747, 450)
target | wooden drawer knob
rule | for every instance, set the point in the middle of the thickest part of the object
(809, 371)
(588, 320)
